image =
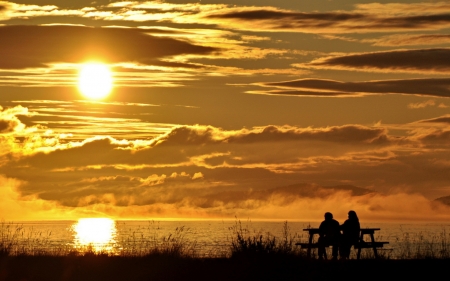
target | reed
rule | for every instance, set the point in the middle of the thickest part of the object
(142, 244)
(247, 242)
(243, 242)
(15, 240)
(418, 246)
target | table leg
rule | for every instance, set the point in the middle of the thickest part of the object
(374, 248)
(361, 240)
(308, 252)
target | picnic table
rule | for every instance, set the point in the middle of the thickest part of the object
(361, 244)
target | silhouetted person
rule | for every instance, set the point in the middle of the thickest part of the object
(329, 233)
(350, 234)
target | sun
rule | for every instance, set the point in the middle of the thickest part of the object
(95, 80)
(98, 233)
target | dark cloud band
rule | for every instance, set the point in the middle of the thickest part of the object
(317, 87)
(420, 60)
(35, 46)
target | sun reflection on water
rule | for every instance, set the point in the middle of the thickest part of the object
(95, 234)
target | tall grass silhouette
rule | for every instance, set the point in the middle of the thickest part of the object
(246, 242)
(243, 242)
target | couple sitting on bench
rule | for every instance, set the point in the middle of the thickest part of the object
(330, 235)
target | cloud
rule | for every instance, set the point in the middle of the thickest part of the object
(409, 40)
(415, 61)
(11, 128)
(16, 207)
(296, 202)
(202, 135)
(50, 44)
(210, 172)
(23, 11)
(9, 122)
(369, 17)
(323, 94)
(422, 104)
(370, 207)
(362, 19)
(405, 9)
(438, 87)
(441, 119)
(187, 162)
(372, 17)
(438, 136)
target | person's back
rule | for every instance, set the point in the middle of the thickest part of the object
(351, 229)
(329, 228)
(350, 234)
(329, 233)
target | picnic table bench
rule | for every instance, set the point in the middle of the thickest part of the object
(361, 244)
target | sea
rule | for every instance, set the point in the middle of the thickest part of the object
(201, 238)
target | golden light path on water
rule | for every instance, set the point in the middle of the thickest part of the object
(96, 234)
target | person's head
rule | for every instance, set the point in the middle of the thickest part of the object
(328, 216)
(352, 215)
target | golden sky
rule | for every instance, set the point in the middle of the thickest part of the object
(225, 108)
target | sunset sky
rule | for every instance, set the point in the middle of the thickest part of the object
(226, 108)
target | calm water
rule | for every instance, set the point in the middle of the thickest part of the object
(206, 238)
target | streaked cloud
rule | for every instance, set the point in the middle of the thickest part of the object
(422, 104)
(371, 17)
(441, 119)
(409, 40)
(363, 19)
(426, 8)
(43, 45)
(438, 87)
(82, 119)
(414, 61)
(10, 10)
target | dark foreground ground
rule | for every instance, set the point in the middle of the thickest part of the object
(86, 268)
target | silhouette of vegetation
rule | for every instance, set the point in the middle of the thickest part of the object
(244, 242)
(252, 256)
(248, 243)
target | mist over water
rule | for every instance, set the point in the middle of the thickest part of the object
(205, 238)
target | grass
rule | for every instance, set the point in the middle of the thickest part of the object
(14, 240)
(252, 255)
(243, 242)
(417, 246)
(249, 243)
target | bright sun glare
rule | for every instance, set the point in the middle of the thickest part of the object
(95, 80)
(96, 232)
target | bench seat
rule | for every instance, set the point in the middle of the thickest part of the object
(362, 245)
(306, 245)
(365, 245)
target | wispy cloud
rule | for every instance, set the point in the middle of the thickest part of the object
(372, 17)
(362, 19)
(442, 119)
(415, 61)
(82, 119)
(409, 40)
(322, 88)
(422, 104)
(43, 45)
